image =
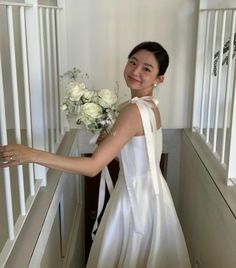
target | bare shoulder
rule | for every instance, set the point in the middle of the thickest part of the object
(130, 119)
(130, 111)
(131, 114)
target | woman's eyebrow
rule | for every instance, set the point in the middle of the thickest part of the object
(133, 58)
(149, 65)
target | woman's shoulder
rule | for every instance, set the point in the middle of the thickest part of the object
(129, 109)
(131, 112)
(130, 119)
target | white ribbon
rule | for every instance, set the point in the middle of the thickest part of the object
(105, 179)
(149, 124)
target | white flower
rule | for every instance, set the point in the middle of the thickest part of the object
(91, 109)
(75, 91)
(88, 95)
(106, 98)
(95, 109)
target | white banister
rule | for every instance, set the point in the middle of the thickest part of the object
(59, 61)
(211, 78)
(6, 171)
(27, 94)
(204, 73)
(50, 81)
(55, 77)
(16, 105)
(198, 68)
(43, 70)
(219, 76)
(62, 57)
(39, 126)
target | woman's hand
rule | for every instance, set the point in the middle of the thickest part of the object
(16, 154)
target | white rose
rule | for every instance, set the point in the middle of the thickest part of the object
(85, 119)
(75, 91)
(106, 98)
(88, 95)
(91, 109)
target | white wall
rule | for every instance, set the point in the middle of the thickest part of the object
(101, 34)
(207, 207)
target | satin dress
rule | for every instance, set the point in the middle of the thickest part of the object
(139, 227)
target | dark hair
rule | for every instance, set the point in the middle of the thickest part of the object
(157, 50)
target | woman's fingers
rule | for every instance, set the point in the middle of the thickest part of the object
(9, 155)
(6, 156)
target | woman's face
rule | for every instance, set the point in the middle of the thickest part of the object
(141, 72)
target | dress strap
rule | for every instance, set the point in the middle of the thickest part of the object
(145, 101)
(149, 122)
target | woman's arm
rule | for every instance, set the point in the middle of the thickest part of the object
(127, 125)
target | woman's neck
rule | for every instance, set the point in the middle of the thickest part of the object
(140, 95)
(135, 93)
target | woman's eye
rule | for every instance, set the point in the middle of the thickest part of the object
(132, 62)
(147, 69)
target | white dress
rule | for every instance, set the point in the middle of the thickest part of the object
(140, 227)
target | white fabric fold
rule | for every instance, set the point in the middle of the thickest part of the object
(149, 124)
(104, 180)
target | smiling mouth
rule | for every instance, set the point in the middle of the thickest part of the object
(133, 79)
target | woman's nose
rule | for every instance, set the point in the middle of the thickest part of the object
(136, 70)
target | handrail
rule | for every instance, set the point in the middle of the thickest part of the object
(15, 4)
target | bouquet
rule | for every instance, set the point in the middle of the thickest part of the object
(95, 109)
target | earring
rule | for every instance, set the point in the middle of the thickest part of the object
(155, 85)
(155, 89)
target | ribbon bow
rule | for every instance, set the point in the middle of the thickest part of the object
(145, 100)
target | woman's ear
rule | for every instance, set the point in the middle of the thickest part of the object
(159, 79)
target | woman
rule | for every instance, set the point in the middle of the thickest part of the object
(139, 227)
